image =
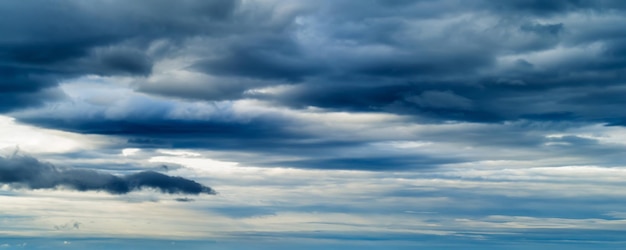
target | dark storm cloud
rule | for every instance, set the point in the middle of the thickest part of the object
(70, 39)
(439, 59)
(182, 133)
(117, 61)
(457, 72)
(9, 99)
(431, 61)
(26, 171)
(265, 58)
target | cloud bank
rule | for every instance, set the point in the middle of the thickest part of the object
(484, 61)
(28, 172)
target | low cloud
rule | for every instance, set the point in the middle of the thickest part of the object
(28, 172)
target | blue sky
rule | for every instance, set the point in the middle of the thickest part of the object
(344, 124)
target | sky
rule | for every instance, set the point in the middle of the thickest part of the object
(330, 124)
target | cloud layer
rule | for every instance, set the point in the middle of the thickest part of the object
(485, 61)
(465, 124)
(180, 72)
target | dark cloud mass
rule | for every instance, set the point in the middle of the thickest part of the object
(369, 124)
(70, 38)
(28, 172)
(436, 62)
(403, 51)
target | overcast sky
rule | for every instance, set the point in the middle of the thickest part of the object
(330, 124)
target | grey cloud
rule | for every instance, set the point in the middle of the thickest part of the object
(387, 163)
(540, 7)
(28, 172)
(399, 68)
(184, 199)
(380, 51)
(441, 99)
(267, 58)
(430, 61)
(9, 100)
(556, 7)
(117, 61)
(71, 39)
(543, 29)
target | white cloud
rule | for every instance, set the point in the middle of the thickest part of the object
(38, 140)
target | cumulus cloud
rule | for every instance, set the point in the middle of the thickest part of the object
(28, 172)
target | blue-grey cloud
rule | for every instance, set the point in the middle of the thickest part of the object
(371, 163)
(429, 61)
(71, 39)
(458, 114)
(371, 49)
(273, 58)
(28, 172)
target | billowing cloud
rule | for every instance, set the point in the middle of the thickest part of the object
(28, 172)
(253, 75)
(401, 57)
(479, 121)
(71, 39)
